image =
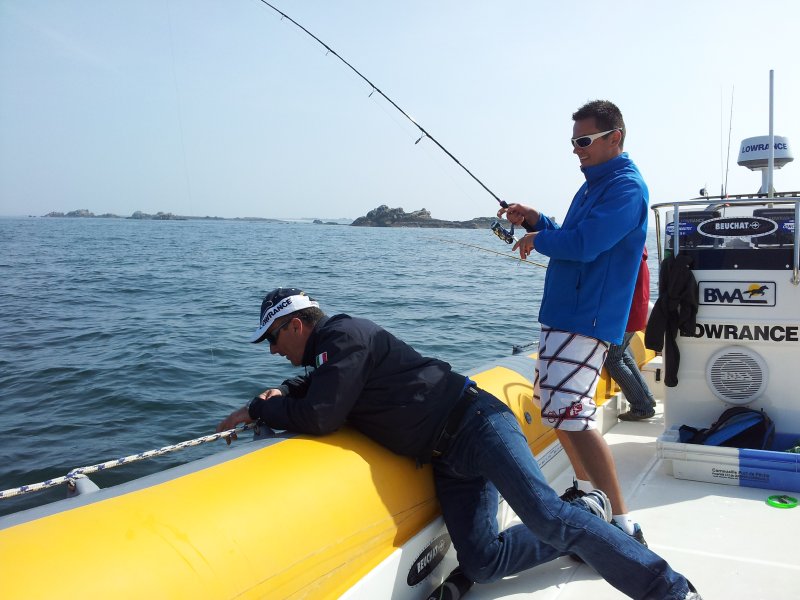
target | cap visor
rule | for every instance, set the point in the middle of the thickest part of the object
(258, 335)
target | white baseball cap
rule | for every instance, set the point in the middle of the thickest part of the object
(278, 303)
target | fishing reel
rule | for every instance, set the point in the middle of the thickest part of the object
(503, 233)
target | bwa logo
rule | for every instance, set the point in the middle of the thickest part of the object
(737, 293)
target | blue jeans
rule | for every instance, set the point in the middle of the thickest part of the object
(623, 368)
(489, 453)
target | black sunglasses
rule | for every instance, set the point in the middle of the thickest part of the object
(272, 337)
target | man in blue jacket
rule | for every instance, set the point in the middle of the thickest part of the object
(594, 258)
(418, 407)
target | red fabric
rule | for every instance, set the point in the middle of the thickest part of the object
(637, 319)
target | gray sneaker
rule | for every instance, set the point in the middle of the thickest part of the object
(453, 588)
(598, 503)
(632, 416)
(572, 493)
(637, 533)
(692, 593)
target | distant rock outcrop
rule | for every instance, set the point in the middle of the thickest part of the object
(383, 216)
(87, 214)
(74, 213)
(159, 216)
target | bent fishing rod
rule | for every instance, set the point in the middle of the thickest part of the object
(504, 234)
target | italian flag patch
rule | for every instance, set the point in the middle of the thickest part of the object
(322, 359)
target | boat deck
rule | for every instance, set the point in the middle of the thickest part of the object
(724, 538)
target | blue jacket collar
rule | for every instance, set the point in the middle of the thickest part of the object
(596, 172)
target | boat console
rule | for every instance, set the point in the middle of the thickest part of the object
(745, 348)
(723, 232)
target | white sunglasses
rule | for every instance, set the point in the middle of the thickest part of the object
(586, 140)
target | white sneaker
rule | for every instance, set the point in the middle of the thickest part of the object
(598, 503)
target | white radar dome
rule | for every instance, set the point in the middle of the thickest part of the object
(754, 152)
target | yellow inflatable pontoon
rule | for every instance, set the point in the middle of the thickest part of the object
(284, 517)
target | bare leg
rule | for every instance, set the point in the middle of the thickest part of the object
(574, 459)
(590, 455)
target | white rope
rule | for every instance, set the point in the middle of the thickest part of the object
(70, 477)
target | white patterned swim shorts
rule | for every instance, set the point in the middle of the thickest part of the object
(567, 372)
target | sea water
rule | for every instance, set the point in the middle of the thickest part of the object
(119, 336)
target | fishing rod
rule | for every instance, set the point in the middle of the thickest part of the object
(727, 164)
(506, 235)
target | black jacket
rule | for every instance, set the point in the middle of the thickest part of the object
(674, 311)
(373, 381)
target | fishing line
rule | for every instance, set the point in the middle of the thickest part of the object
(497, 228)
(512, 257)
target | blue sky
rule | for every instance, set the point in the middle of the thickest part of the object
(218, 107)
